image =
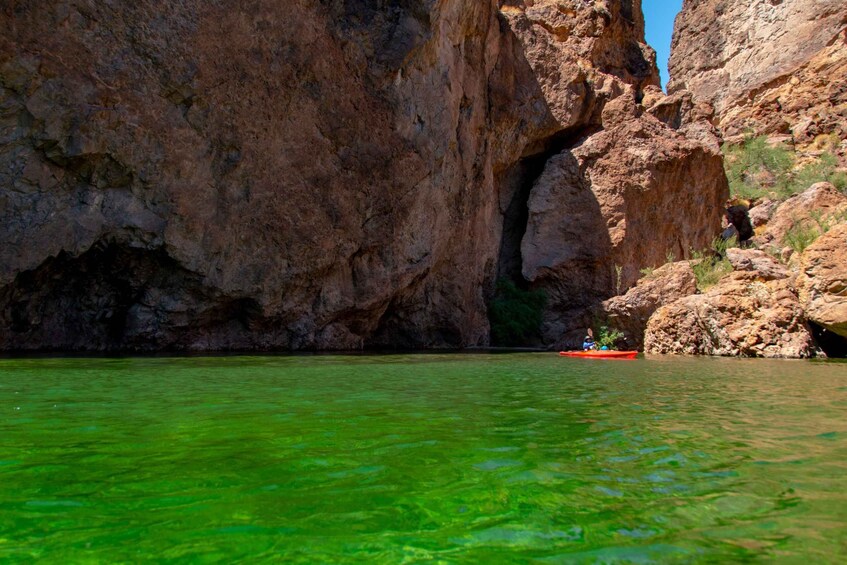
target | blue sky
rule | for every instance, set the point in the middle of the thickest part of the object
(659, 16)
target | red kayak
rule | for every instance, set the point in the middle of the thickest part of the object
(600, 354)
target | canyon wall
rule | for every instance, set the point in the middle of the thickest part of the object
(767, 66)
(331, 173)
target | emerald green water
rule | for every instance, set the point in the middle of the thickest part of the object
(520, 458)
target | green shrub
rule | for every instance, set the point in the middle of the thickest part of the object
(647, 272)
(824, 169)
(608, 337)
(801, 235)
(709, 267)
(515, 314)
(755, 169)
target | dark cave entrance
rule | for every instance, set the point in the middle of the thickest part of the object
(518, 181)
(104, 299)
(832, 344)
(515, 308)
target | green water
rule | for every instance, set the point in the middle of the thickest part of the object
(520, 458)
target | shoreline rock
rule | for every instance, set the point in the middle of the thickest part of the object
(742, 316)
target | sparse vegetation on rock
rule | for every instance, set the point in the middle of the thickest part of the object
(711, 265)
(757, 169)
(609, 337)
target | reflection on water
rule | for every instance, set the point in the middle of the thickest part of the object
(458, 458)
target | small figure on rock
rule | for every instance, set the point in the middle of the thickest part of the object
(739, 222)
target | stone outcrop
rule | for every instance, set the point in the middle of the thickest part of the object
(630, 312)
(621, 200)
(742, 315)
(822, 282)
(765, 266)
(821, 202)
(328, 175)
(773, 67)
(637, 177)
(761, 213)
(238, 175)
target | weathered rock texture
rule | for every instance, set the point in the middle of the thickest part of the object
(769, 66)
(327, 174)
(765, 266)
(636, 177)
(630, 312)
(821, 203)
(743, 315)
(823, 281)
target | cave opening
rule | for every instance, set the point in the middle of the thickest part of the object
(832, 344)
(522, 176)
(515, 309)
(91, 301)
(518, 181)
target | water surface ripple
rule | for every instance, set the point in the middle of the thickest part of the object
(520, 458)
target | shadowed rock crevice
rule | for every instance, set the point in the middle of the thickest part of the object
(516, 184)
(830, 343)
(115, 297)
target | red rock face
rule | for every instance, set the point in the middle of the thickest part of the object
(329, 174)
(773, 67)
(741, 316)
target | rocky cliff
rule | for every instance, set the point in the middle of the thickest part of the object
(330, 173)
(767, 66)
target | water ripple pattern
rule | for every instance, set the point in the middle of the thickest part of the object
(482, 458)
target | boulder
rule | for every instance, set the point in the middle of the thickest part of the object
(740, 316)
(761, 213)
(765, 266)
(822, 282)
(630, 312)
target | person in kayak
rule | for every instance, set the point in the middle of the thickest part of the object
(588, 343)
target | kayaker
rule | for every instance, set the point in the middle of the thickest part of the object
(588, 343)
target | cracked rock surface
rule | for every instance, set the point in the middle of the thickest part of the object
(329, 174)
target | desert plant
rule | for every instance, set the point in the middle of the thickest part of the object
(755, 168)
(825, 168)
(710, 266)
(607, 337)
(720, 245)
(618, 273)
(801, 235)
(647, 272)
(515, 314)
(804, 232)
